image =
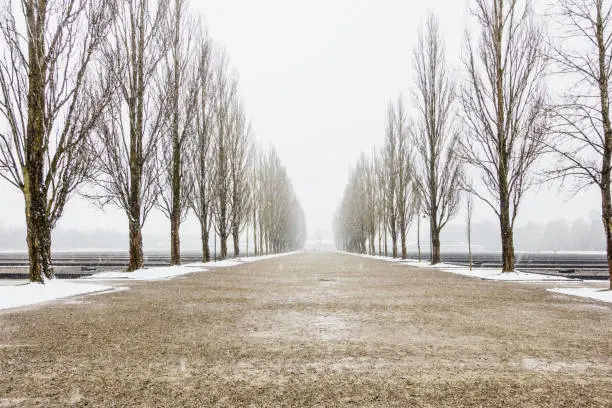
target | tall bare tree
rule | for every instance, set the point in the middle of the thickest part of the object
(127, 137)
(51, 98)
(504, 113)
(180, 82)
(203, 155)
(225, 83)
(390, 161)
(239, 156)
(435, 134)
(404, 175)
(580, 121)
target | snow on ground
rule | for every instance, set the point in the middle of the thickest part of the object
(237, 261)
(146, 274)
(482, 273)
(602, 294)
(168, 272)
(32, 293)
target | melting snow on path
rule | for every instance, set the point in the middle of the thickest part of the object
(32, 293)
(602, 294)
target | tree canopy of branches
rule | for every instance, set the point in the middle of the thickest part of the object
(504, 108)
(435, 135)
(51, 98)
(126, 140)
(179, 81)
(580, 121)
(203, 159)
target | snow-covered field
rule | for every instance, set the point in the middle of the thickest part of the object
(17, 295)
(33, 293)
(601, 294)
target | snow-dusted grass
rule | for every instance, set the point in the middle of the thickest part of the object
(33, 293)
(602, 294)
(481, 273)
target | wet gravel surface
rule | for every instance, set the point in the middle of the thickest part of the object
(312, 329)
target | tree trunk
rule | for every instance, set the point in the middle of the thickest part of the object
(606, 208)
(135, 245)
(379, 241)
(223, 239)
(507, 242)
(435, 245)
(385, 238)
(35, 193)
(606, 202)
(403, 239)
(254, 237)
(236, 239)
(175, 244)
(469, 237)
(204, 236)
(394, 243)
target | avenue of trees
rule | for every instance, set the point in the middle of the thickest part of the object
(495, 121)
(130, 103)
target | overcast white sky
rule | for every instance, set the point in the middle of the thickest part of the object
(316, 77)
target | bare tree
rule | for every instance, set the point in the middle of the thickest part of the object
(503, 102)
(127, 138)
(436, 135)
(51, 98)
(239, 152)
(224, 102)
(581, 120)
(180, 82)
(203, 157)
(404, 175)
(390, 173)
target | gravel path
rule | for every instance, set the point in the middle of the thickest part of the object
(313, 329)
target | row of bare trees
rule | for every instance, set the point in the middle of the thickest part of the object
(129, 102)
(509, 119)
(417, 172)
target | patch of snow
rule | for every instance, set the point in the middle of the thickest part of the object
(495, 273)
(145, 274)
(601, 294)
(33, 293)
(481, 273)
(168, 272)
(237, 261)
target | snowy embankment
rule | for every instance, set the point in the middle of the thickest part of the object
(481, 273)
(168, 272)
(33, 293)
(601, 294)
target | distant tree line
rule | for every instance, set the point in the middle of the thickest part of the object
(131, 104)
(497, 125)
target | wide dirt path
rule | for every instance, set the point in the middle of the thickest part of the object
(313, 329)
